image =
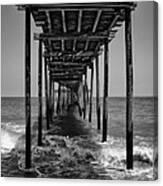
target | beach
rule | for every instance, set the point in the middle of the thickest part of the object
(72, 148)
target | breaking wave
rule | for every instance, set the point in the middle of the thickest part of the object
(10, 133)
(107, 160)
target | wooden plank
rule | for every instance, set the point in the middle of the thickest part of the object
(46, 94)
(68, 70)
(97, 21)
(51, 36)
(65, 70)
(64, 21)
(79, 20)
(40, 94)
(66, 74)
(80, 61)
(67, 64)
(69, 83)
(110, 10)
(105, 98)
(110, 6)
(91, 94)
(98, 110)
(28, 88)
(70, 54)
(129, 90)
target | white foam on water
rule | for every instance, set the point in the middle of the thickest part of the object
(113, 159)
(7, 143)
(10, 132)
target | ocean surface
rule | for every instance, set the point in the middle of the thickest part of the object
(113, 151)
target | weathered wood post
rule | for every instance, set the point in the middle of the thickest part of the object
(84, 94)
(67, 101)
(71, 96)
(40, 94)
(53, 97)
(63, 98)
(46, 93)
(129, 90)
(91, 93)
(98, 111)
(59, 95)
(83, 98)
(50, 95)
(28, 87)
(105, 98)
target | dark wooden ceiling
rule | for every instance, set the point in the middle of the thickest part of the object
(73, 33)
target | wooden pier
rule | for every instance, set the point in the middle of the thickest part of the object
(70, 42)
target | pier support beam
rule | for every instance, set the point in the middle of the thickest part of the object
(46, 94)
(53, 97)
(91, 94)
(40, 94)
(105, 98)
(62, 101)
(59, 95)
(28, 87)
(85, 94)
(50, 96)
(129, 90)
(67, 101)
(97, 95)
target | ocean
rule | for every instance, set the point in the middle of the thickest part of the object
(112, 157)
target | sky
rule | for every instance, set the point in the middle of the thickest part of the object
(12, 55)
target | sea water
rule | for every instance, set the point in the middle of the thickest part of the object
(113, 151)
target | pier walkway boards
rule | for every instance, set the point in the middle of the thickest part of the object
(73, 37)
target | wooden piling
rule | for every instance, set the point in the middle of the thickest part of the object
(40, 94)
(105, 98)
(53, 97)
(67, 101)
(83, 98)
(63, 98)
(28, 87)
(98, 111)
(59, 95)
(129, 90)
(84, 94)
(91, 94)
(50, 96)
(46, 93)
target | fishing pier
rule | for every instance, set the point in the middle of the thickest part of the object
(72, 39)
